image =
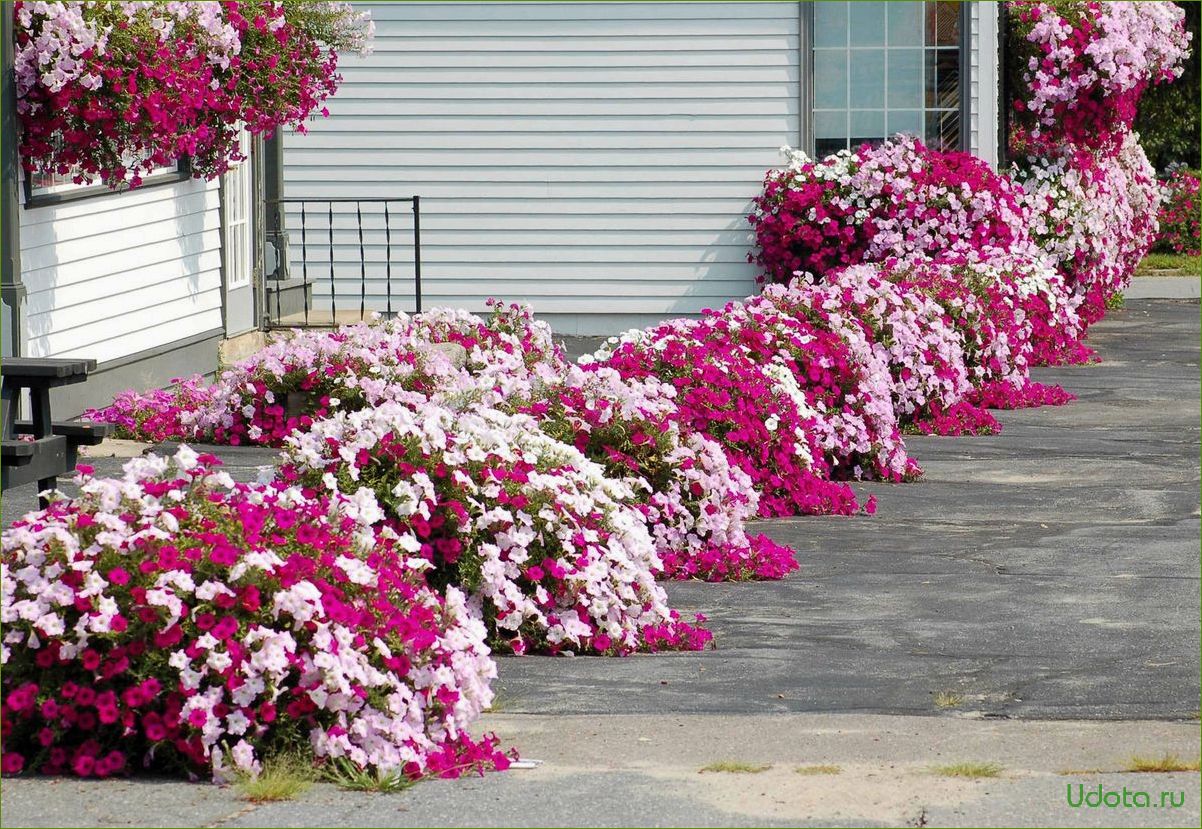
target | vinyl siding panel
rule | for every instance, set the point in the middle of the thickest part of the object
(984, 80)
(589, 158)
(113, 276)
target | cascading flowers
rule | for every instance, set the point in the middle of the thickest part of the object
(1082, 67)
(114, 90)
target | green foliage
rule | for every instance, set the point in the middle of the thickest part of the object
(1177, 264)
(1168, 123)
(346, 775)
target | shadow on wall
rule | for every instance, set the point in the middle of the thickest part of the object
(738, 237)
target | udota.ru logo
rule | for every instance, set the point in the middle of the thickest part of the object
(1113, 799)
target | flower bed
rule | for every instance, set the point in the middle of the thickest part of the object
(542, 540)
(754, 409)
(913, 336)
(451, 483)
(1094, 216)
(897, 199)
(177, 616)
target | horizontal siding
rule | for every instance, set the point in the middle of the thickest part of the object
(589, 158)
(116, 275)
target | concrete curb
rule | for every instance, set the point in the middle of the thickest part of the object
(1164, 287)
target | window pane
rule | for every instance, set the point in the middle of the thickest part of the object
(943, 24)
(905, 78)
(831, 125)
(827, 146)
(830, 24)
(908, 121)
(866, 24)
(943, 78)
(905, 23)
(830, 78)
(867, 126)
(943, 130)
(882, 68)
(867, 78)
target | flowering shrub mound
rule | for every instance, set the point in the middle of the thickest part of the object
(897, 199)
(534, 531)
(1179, 214)
(754, 409)
(291, 383)
(695, 503)
(913, 336)
(843, 380)
(1084, 66)
(155, 415)
(175, 617)
(112, 90)
(1094, 216)
(985, 302)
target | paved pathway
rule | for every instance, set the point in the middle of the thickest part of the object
(1049, 573)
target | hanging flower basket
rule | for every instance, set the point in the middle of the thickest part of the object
(110, 91)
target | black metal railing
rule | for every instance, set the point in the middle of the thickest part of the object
(341, 250)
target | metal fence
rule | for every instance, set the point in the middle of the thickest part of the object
(346, 258)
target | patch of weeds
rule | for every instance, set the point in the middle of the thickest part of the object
(1163, 764)
(346, 775)
(284, 777)
(735, 767)
(948, 699)
(813, 771)
(972, 771)
(1076, 772)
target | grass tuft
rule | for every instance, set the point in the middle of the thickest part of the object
(734, 767)
(1166, 763)
(346, 775)
(812, 771)
(948, 699)
(285, 777)
(972, 771)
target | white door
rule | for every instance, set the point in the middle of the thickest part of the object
(237, 211)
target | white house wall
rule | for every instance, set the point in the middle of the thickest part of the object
(984, 80)
(596, 160)
(113, 276)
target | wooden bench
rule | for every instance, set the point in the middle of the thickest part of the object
(53, 447)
